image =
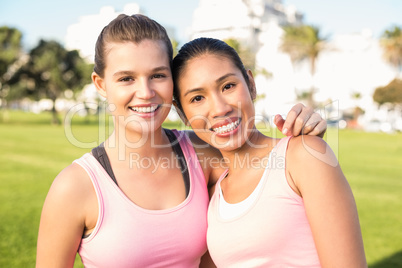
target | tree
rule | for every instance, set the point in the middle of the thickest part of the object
(391, 42)
(357, 111)
(10, 50)
(303, 42)
(391, 93)
(247, 57)
(175, 46)
(50, 70)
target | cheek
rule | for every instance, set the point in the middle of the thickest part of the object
(197, 121)
(166, 92)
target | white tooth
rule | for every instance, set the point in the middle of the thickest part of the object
(227, 128)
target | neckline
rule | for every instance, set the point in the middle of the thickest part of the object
(263, 180)
(110, 181)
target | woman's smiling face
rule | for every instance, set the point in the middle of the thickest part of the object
(217, 101)
(138, 83)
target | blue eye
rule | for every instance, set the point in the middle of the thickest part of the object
(126, 79)
(158, 76)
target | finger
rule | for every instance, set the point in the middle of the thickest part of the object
(279, 121)
(311, 123)
(291, 117)
(301, 120)
(319, 130)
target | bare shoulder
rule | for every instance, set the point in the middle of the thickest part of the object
(71, 178)
(314, 171)
(311, 150)
(69, 209)
(73, 184)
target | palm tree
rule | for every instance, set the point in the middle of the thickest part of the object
(303, 42)
(391, 42)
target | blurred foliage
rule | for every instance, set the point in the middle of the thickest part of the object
(49, 71)
(247, 57)
(391, 42)
(391, 93)
(10, 49)
(175, 46)
(303, 42)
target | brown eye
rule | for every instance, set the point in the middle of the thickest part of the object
(197, 99)
(228, 86)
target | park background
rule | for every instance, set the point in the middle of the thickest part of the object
(364, 131)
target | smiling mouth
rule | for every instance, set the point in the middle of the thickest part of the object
(145, 110)
(226, 128)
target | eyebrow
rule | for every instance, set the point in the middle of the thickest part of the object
(217, 81)
(157, 69)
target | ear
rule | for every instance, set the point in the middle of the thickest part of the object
(99, 84)
(252, 88)
(181, 114)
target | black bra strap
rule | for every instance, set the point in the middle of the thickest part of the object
(100, 154)
(180, 156)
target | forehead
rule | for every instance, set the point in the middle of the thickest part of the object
(208, 63)
(205, 68)
(145, 53)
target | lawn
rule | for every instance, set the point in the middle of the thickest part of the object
(32, 152)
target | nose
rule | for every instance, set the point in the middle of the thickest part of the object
(144, 89)
(219, 107)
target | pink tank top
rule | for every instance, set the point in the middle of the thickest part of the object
(272, 232)
(127, 235)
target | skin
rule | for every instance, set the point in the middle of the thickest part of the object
(212, 88)
(136, 75)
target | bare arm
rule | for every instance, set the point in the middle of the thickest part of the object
(64, 218)
(329, 202)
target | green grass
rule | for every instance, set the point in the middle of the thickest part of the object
(33, 152)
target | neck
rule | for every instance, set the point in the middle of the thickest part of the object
(250, 154)
(123, 143)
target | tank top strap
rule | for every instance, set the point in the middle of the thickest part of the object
(190, 154)
(180, 157)
(281, 147)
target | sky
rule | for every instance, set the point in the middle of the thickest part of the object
(49, 19)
